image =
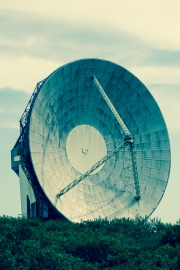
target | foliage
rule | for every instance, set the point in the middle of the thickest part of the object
(99, 244)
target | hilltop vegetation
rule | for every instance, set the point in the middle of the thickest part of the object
(100, 244)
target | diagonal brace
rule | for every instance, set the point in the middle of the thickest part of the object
(94, 167)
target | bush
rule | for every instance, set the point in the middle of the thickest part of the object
(99, 244)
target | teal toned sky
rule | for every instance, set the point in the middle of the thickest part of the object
(37, 37)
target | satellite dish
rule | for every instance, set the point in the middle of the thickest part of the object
(96, 143)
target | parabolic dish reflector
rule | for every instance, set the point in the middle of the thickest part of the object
(71, 127)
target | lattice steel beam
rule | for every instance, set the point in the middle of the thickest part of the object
(94, 167)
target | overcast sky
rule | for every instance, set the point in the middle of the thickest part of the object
(36, 37)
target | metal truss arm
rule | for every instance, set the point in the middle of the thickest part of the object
(111, 106)
(135, 173)
(127, 132)
(94, 167)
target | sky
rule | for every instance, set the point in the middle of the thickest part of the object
(36, 37)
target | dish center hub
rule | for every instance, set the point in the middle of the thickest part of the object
(84, 147)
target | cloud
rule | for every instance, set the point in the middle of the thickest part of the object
(153, 22)
(10, 125)
(24, 72)
(171, 109)
(12, 105)
(163, 58)
(34, 44)
(168, 99)
(12, 99)
(157, 74)
(32, 47)
(2, 110)
(61, 40)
